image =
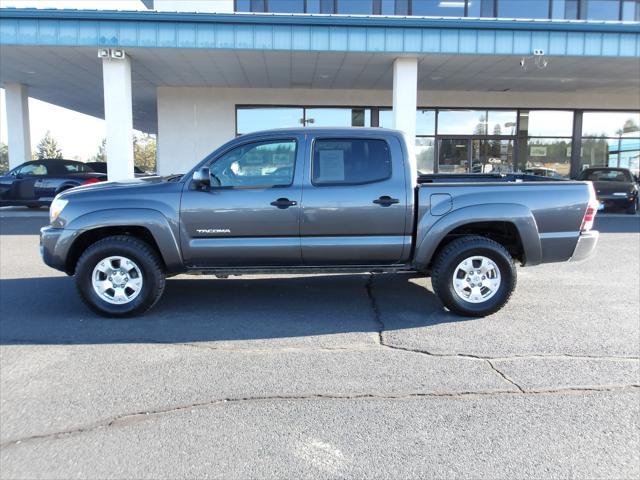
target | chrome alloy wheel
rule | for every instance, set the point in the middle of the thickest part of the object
(476, 279)
(117, 280)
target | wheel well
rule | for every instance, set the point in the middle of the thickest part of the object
(90, 237)
(505, 233)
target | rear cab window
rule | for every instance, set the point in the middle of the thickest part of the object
(350, 161)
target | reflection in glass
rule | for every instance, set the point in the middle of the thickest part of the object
(462, 122)
(501, 122)
(338, 117)
(254, 119)
(394, 7)
(546, 123)
(481, 8)
(320, 6)
(438, 8)
(425, 122)
(600, 9)
(631, 10)
(610, 124)
(564, 9)
(553, 154)
(425, 154)
(611, 152)
(355, 7)
(492, 156)
(385, 118)
(286, 6)
(523, 8)
(453, 156)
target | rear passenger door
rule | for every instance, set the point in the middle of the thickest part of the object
(354, 202)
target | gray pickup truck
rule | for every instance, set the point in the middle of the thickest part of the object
(316, 201)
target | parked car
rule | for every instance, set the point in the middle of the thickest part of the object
(543, 172)
(34, 184)
(101, 167)
(316, 200)
(615, 187)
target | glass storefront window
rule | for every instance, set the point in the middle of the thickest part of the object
(564, 9)
(462, 122)
(600, 9)
(253, 119)
(630, 10)
(320, 6)
(394, 7)
(481, 8)
(438, 8)
(546, 123)
(501, 122)
(552, 154)
(425, 122)
(338, 117)
(492, 156)
(355, 7)
(523, 8)
(286, 6)
(610, 124)
(425, 154)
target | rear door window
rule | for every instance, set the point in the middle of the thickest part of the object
(350, 161)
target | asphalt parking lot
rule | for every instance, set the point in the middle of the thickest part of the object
(322, 376)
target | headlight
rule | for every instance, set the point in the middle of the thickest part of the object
(56, 208)
(620, 194)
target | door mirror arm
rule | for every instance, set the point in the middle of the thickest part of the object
(202, 178)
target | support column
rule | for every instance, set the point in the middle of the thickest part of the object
(405, 97)
(18, 129)
(118, 113)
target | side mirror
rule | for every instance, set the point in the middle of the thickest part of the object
(201, 177)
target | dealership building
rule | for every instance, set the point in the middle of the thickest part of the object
(476, 85)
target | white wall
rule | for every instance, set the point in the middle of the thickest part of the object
(192, 121)
(215, 6)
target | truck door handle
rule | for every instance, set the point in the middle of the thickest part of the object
(386, 200)
(284, 203)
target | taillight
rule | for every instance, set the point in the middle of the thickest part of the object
(89, 181)
(589, 216)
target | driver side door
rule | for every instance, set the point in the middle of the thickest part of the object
(250, 214)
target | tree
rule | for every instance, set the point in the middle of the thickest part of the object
(4, 158)
(144, 152)
(101, 155)
(48, 148)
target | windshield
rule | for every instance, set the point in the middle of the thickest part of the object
(605, 175)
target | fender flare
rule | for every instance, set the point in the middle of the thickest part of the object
(429, 235)
(161, 228)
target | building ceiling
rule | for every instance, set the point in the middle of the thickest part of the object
(72, 76)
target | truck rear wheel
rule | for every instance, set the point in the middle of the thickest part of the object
(120, 276)
(474, 276)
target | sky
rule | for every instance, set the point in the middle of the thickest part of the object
(78, 135)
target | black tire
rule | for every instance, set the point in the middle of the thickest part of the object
(633, 208)
(452, 255)
(144, 256)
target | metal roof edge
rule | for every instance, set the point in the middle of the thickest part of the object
(322, 20)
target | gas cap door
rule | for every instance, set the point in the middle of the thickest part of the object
(441, 203)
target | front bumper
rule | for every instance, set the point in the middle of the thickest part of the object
(50, 247)
(586, 246)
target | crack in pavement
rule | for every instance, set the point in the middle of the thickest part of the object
(487, 359)
(127, 419)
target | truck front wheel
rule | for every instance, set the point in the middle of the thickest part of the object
(474, 276)
(120, 276)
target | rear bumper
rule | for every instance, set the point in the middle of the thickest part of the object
(586, 246)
